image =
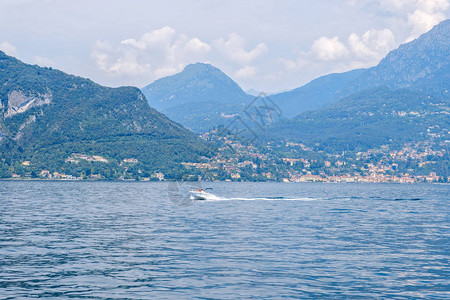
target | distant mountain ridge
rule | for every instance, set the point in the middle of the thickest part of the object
(370, 119)
(198, 97)
(45, 115)
(202, 97)
(403, 99)
(318, 93)
(422, 64)
(195, 84)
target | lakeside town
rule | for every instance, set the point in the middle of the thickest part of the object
(411, 164)
(282, 162)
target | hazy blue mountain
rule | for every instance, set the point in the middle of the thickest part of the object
(197, 83)
(255, 93)
(318, 93)
(370, 119)
(200, 97)
(45, 115)
(422, 64)
(404, 98)
(252, 92)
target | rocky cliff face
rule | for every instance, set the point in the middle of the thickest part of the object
(18, 102)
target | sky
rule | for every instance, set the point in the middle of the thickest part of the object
(266, 45)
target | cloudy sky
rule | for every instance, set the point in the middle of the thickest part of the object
(265, 45)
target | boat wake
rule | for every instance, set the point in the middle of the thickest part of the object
(217, 198)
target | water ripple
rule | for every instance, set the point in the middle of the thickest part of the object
(125, 240)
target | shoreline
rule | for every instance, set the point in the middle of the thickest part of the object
(221, 181)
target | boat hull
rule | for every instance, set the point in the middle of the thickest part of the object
(200, 195)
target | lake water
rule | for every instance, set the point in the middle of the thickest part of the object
(256, 241)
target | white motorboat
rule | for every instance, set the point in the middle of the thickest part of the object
(201, 194)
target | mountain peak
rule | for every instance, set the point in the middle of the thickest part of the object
(199, 82)
(196, 67)
(412, 64)
(202, 70)
(196, 97)
(444, 25)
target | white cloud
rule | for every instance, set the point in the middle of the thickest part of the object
(100, 55)
(330, 54)
(326, 49)
(405, 20)
(160, 38)
(422, 22)
(163, 52)
(129, 65)
(234, 49)
(433, 5)
(373, 45)
(246, 72)
(158, 53)
(365, 50)
(427, 14)
(118, 61)
(196, 45)
(9, 49)
(419, 15)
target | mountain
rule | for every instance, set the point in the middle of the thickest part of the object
(197, 83)
(200, 97)
(422, 65)
(317, 93)
(402, 99)
(370, 119)
(255, 93)
(252, 92)
(46, 115)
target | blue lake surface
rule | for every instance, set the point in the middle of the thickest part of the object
(130, 240)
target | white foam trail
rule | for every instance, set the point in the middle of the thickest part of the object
(216, 198)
